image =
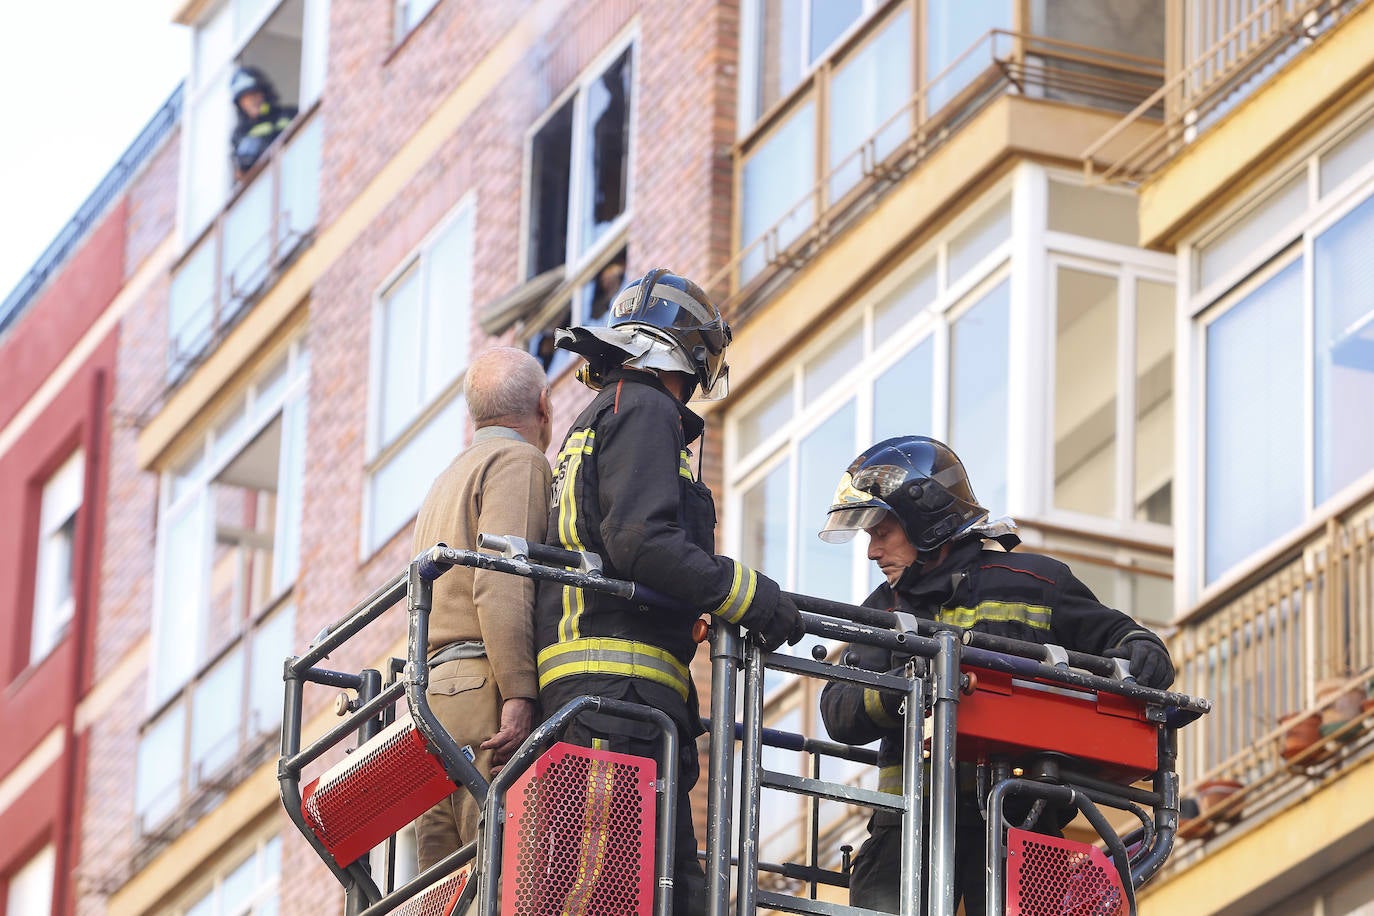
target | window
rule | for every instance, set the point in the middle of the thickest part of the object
(579, 202)
(1113, 402)
(786, 38)
(239, 233)
(579, 169)
(420, 348)
(1286, 285)
(30, 889)
(228, 555)
(250, 888)
(285, 40)
(953, 27)
(409, 13)
(55, 579)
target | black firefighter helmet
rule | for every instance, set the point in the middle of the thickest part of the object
(919, 480)
(660, 321)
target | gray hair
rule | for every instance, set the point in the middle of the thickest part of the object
(503, 383)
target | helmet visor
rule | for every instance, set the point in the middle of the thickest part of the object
(842, 524)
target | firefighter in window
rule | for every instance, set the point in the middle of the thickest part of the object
(624, 489)
(261, 117)
(926, 532)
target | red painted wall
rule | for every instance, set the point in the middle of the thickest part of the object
(70, 303)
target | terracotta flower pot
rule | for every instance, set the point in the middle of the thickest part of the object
(1342, 701)
(1304, 731)
(1212, 793)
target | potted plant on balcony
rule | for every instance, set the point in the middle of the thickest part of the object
(1341, 702)
(1212, 795)
(1301, 730)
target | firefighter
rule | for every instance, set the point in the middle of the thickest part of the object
(624, 489)
(261, 117)
(926, 533)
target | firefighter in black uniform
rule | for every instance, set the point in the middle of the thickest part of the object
(624, 489)
(926, 533)
(261, 117)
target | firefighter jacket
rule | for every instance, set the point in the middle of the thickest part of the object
(1023, 596)
(252, 136)
(623, 488)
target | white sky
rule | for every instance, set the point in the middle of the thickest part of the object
(81, 78)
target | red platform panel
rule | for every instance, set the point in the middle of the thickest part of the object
(375, 791)
(1007, 715)
(438, 899)
(1049, 876)
(579, 836)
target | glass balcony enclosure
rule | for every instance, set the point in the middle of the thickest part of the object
(838, 97)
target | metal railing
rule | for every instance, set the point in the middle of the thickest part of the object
(1013, 63)
(1229, 50)
(1288, 660)
(71, 235)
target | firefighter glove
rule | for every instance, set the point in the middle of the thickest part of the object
(1150, 664)
(782, 625)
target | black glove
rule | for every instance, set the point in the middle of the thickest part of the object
(1150, 664)
(783, 624)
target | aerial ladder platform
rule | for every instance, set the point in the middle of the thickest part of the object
(573, 830)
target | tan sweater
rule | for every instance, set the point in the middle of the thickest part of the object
(499, 485)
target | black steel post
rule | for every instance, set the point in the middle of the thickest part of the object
(726, 646)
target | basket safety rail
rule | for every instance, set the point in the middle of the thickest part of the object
(1060, 729)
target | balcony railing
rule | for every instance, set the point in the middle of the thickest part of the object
(264, 227)
(1288, 661)
(1229, 50)
(845, 182)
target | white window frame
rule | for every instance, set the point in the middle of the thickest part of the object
(1198, 309)
(61, 504)
(579, 165)
(444, 393)
(314, 45)
(37, 875)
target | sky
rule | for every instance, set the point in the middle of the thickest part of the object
(81, 79)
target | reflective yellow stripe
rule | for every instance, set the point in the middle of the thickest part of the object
(570, 459)
(890, 779)
(1032, 615)
(607, 655)
(873, 705)
(741, 594)
(684, 467)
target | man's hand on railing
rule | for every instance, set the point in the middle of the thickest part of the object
(517, 720)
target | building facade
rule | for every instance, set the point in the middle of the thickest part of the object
(1109, 251)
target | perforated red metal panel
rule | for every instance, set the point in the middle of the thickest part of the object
(375, 791)
(1048, 876)
(579, 836)
(437, 900)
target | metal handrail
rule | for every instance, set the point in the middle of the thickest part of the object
(1211, 86)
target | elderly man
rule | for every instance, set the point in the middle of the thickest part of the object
(482, 683)
(926, 533)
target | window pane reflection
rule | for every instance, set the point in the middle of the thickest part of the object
(902, 395)
(1085, 394)
(1344, 292)
(978, 345)
(822, 569)
(1254, 476)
